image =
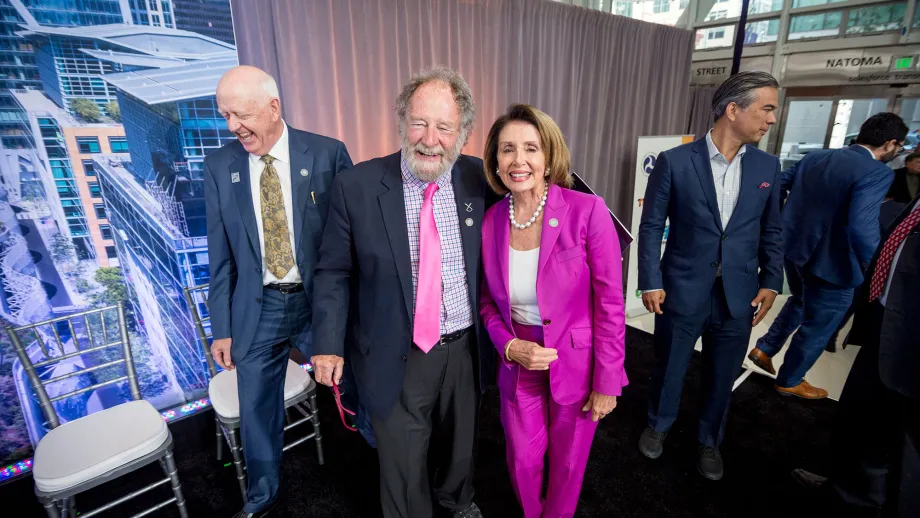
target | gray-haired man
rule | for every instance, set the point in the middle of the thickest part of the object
(383, 216)
(722, 265)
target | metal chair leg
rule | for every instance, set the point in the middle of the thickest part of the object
(236, 453)
(169, 466)
(220, 440)
(72, 507)
(319, 436)
(52, 509)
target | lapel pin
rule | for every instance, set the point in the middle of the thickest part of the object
(312, 195)
(304, 172)
(469, 222)
(469, 206)
(554, 222)
(234, 177)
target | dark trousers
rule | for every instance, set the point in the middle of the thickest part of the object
(876, 440)
(815, 308)
(260, 378)
(438, 398)
(725, 342)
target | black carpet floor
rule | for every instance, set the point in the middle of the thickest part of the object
(766, 438)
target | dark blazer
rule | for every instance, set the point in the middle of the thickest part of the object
(681, 188)
(899, 191)
(235, 257)
(364, 269)
(899, 343)
(831, 218)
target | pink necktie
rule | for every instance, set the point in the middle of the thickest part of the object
(427, 330)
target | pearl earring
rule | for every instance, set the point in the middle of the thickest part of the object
(546, 175)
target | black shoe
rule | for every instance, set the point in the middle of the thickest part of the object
(651, 444)
(809, 480)
(710, 464)
(265, 512)
(471, 512)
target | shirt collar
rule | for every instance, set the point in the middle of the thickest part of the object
(714, 151)
(281, 152)
(411, 180)
(868, 150)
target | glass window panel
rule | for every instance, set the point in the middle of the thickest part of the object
(819, 25)
(88, 144)
(715, 37)
(805, 130)
(665, 12)
(89, 168)
(809, 3)
(94, 189)
(764, 31)
(732, 8)
(876, 18)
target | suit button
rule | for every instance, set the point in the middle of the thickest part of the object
(258, 270)
(547, 322)
(258, 299)
(404, 358)
(714, 264)
(724, 237)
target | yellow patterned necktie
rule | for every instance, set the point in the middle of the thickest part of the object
(278, 254)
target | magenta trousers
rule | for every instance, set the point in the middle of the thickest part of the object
(542, 433)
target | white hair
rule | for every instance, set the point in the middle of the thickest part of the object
(268, 87)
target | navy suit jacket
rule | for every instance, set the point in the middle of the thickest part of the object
(234, 252)
(364, 276)
(831, 217)
(681, 188)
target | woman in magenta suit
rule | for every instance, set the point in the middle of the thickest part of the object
(552, 302)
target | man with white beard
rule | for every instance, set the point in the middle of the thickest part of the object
(399, 273)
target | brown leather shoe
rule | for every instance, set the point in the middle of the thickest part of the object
(803, 390)
(760, 359)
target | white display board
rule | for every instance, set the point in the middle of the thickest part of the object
(648, 151)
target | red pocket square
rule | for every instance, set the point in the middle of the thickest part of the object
(764, 185)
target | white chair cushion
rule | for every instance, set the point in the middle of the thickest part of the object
(91, 446)
(225, 399)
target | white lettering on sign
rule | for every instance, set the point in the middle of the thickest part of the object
(854, 62)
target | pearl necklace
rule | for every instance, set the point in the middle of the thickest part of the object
(533, 218)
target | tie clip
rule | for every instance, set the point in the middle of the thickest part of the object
(313, 197)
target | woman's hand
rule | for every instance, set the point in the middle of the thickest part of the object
(599, 405)
(530, 355)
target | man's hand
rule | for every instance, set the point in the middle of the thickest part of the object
(532, 356)
(653, 301)
(328, 368)
(600, 405)
(765, 300)
(220, 350)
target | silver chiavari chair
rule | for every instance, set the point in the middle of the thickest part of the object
(299, 395)
(83, 453)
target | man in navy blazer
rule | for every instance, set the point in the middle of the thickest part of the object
(722, 265)
(830, 231)
(267, 200)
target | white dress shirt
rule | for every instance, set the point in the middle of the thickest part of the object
(727, 177)
(282, 154)
(522, 286)
(883, 298)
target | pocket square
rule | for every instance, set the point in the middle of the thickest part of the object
(764, 185)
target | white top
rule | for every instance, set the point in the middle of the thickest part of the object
(522, 285)
(727, 178)
(282, 155)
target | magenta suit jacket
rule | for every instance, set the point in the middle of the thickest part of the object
(579, 294)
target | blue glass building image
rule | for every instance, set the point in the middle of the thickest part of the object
(155, 203)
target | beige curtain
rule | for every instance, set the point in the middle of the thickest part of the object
(605, 79)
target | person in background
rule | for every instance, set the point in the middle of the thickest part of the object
(906, 184)
(830, 231)
(876, 439)
(552, 302)
(402, 250)
(264, 228)
(722, 266)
